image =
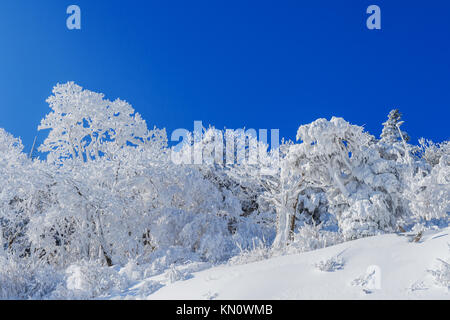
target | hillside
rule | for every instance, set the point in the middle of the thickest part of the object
(402, 269)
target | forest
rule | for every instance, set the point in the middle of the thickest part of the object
(108, 194)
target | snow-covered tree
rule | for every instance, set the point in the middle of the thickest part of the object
(82, 123)
(393, 144)
(420, 172)
(391, 132)
(233, 161)
(432, 152)
(429, 190)
(343, 161)
(18, 193)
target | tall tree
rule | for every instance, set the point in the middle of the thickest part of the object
(83, 125)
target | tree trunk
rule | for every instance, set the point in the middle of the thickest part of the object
(292, 228)
(292, 220)
(107, 257)
(283, 216)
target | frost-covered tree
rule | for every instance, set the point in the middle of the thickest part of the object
(82, 123)
(264, 172)
(432, 152)
(419, 171)
(394, 142)
(342, 161)
(230, 160)
(328, 151)
(127, 199)
(391, 132)
(11, 163)
(429, 190)
(18, 193)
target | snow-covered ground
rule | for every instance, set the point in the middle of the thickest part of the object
(389, 266)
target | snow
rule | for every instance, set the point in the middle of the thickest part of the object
(402, 267)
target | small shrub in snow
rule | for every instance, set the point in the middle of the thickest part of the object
(26, 280)
(332, 264)
(418, 285)
(259, 252)
(173, 274)
(368, 281)
(86, 280)
(148, 288)
(442, 274)
(312, 237)
(132, 271)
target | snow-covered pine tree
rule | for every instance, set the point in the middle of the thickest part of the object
(391, 132)
(393, 141)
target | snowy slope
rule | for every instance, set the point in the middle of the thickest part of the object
(400, 265)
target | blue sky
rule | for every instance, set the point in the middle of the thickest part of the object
(254, 64)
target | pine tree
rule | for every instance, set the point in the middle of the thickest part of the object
(391, 128)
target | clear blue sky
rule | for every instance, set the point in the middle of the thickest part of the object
(258, 64)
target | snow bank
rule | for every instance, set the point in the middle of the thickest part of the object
(398, 265)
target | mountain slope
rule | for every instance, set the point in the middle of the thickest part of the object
(382, 267)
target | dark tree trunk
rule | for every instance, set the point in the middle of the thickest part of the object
(107, 258)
